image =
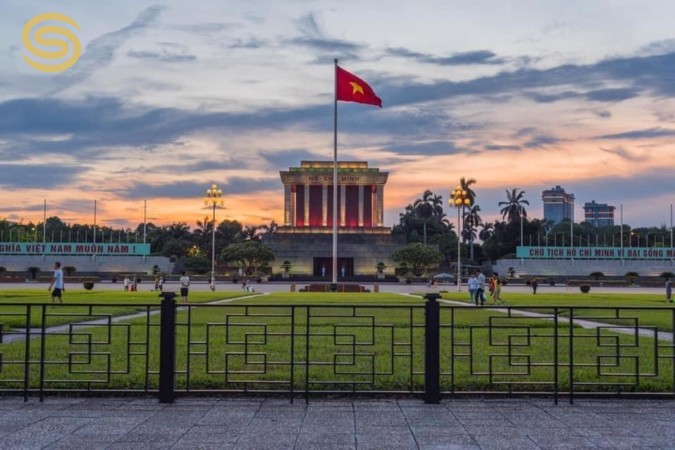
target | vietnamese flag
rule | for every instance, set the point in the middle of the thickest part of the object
(351, 88)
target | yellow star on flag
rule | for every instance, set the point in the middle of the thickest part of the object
(356, 87)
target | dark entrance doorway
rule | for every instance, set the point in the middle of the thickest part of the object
(323, 267)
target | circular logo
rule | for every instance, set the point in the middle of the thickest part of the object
(60, 44)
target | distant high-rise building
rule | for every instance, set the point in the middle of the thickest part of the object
(599, 214)
(558, 205)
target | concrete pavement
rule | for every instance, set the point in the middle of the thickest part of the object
(222, 423)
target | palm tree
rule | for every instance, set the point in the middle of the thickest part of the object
(487, 231)
(266, 231)
(471, 220)
(425, 208)
(513, 207)
(466, 186)
(471, 217)
(251, 233)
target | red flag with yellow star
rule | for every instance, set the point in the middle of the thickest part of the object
(351, 88)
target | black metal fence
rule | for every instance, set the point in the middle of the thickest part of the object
(429, 350)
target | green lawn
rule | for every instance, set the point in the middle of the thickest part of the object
(375, 343)
(14, 316)
(662, 317)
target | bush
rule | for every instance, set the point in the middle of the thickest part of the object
(597, 275)
(585, 288)
(663, 274)
(88, 285)
(33, 271)
(632, 276)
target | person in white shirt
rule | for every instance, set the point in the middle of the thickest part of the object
(473, 288)
(57, 283)
(184, 285)
(480, 293)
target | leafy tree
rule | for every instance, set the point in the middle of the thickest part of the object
(197, 264)
(174, 247)
(250, 255)
(513, 207)
(418, 257)
(434, 223)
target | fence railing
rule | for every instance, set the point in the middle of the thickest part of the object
(428, 350)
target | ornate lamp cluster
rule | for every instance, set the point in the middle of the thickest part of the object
(459, 198)
(213, 200)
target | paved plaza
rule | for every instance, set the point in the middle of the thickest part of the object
(248, 423)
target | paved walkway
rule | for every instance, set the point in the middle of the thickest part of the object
(215, 423)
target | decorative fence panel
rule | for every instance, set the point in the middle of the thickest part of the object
(429, 350)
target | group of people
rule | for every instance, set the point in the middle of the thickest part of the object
(477, 284)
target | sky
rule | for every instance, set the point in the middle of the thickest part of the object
(170, 97)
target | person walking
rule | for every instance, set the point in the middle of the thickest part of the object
(184, 286)
(496, 293)
(473, 288)
(534, 283)
(480, 293)
(156, 283)
(57, 283)
(126, 283)
(161, 284)
(669, 290)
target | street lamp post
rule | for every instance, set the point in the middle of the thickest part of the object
(459, 198)
(213, 200)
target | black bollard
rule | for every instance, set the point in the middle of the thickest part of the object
(167, 348)
(432, 367)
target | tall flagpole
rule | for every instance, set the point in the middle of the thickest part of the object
(335, 177)
(44, 230)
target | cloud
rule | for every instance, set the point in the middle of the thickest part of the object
(497, 147)
(550, 98)
(38, 176)
(291, 158)
(432, 148)
(162, 55)
(100, 52)
(535, 138)
(640, 75)
(640, 134)
(624, 153)
(251, 43)
(541, 141)
(239, 185)
(612, 95)
(201, 166)
(456, 59)
(326, 48)
(195, 189)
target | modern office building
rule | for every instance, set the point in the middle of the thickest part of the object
(599, 214)
(558, 205)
